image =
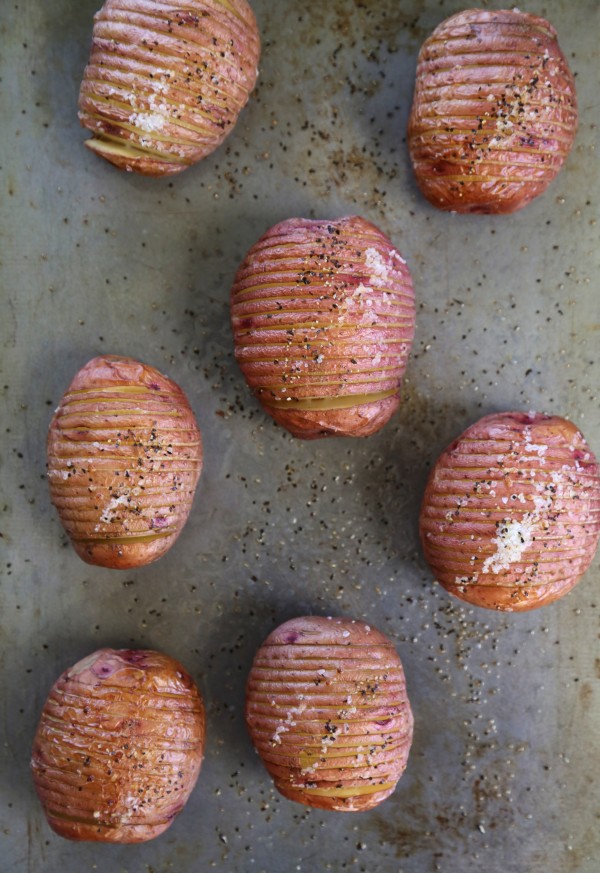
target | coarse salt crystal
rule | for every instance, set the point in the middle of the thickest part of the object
(148, 121)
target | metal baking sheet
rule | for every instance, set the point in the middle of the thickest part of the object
(503, 771)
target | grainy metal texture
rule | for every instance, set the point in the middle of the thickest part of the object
(502, 775)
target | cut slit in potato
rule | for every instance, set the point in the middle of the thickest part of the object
(346, 402)
(352, 791)
(118, 147)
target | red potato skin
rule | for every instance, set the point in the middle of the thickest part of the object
(328, 713)
(494, 112)
(124, 459)
(167, 80)
(119, 746)
(323, 319)
(510, 518)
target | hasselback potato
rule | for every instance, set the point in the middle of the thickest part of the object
(166, 81)
(323, 321)
(328, 712)
(124, 458)
(494, 112)
(118, 747)
(510, 518)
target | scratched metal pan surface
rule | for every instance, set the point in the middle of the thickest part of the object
(503, 770)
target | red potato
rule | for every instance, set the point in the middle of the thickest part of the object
(323, 320)
(124, 459)
(119, 747)
(166, 81)
(494, 113)
(328, 712)
(510, 518)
